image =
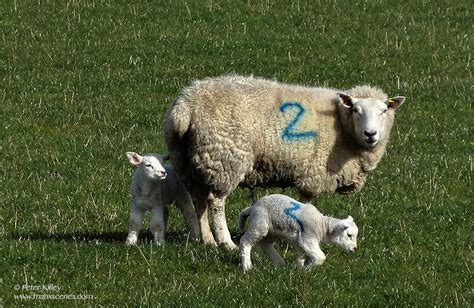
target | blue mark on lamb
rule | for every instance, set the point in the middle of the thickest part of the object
(289, 133)
(289, 212)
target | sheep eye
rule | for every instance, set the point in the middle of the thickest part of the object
(356, 111)
(147, 165)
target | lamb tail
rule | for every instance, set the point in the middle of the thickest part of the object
(243, 218)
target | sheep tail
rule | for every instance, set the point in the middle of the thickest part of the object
(178, 119)
(243, 218)
(176, 131)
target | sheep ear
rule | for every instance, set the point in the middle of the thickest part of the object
(395, 102)
(166, 157)
(342, 225)
(134, 158)
(345, 100)
(350, 218)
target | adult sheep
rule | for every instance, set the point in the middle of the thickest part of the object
(231, 130)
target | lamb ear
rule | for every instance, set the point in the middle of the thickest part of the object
(395, 102)
(342, 225)
(350, 218)
(134, 158)
(345, 100)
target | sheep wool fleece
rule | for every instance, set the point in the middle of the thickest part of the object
(231, 130)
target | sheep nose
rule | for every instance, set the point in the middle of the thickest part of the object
(370, 133)
(163, 173)
(355, 248)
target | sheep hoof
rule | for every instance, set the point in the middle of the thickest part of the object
(209, 241)
(230, 246)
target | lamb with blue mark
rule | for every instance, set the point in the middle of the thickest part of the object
(281, 217)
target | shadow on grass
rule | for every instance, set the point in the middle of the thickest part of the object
(178, 238)
(106, 237)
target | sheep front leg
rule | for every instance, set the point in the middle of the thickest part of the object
(300, 257)
(217, 207)
(314, 252)
(136, 222)
(158, 224)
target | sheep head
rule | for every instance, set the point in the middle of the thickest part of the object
(152, 165)
(345, 234)
(371, 117)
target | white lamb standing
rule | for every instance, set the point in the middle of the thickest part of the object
(228, 131)
(155, 186)
(279, 216)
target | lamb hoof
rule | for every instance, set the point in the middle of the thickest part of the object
(194, 237)
(130, 242)
(159, 242)
(246, 267)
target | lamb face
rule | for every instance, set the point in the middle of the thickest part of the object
(369, 117)
(153, 167)
(345, 234)
(151, 164)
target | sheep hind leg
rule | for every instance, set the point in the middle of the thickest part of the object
(200, 205)
(267, 246)
(185, 205)
(217, 207)
(136, 221)
(256, 232)
(246, 244)
(158, 222)
(247, 241)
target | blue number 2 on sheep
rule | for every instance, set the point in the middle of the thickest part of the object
(289, 212)
(232, 130)
(289, 132)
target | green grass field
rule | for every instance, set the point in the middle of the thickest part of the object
(82, 82)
